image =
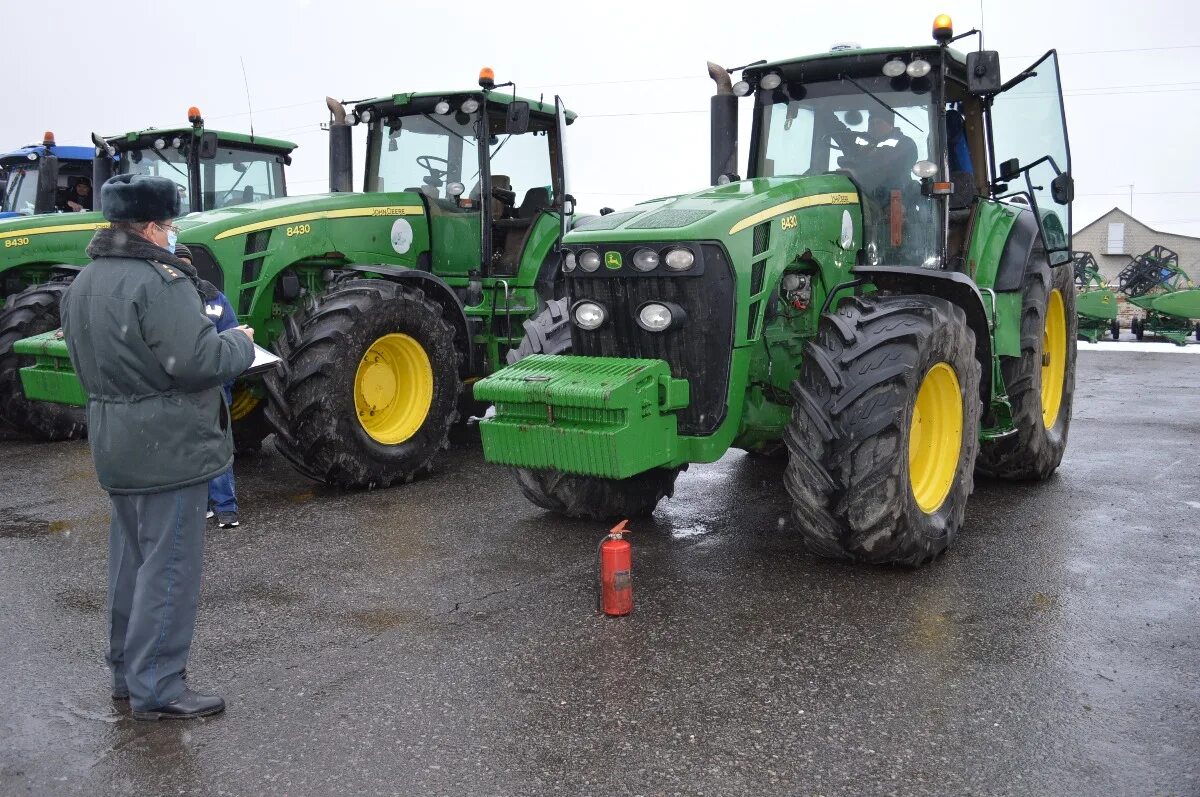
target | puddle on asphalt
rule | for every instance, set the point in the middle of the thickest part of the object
(14, 526)
(689, 532)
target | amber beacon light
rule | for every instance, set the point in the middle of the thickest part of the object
(487, 77)
(943, 28)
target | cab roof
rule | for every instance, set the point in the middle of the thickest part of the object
(859, 52)
(62, 152)
(499, 97)
(259, 142)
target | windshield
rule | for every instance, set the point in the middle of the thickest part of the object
(870, 131)
(20, 193)
(234, 177)
(427, 154)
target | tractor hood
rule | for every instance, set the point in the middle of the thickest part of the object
(718, 212)
(21, 226)
(284, 211)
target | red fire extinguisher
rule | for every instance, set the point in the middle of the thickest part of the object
(616, 572)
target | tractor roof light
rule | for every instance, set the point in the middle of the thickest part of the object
(770, 81)
(365, 116)
(160, 143)
(894, 68)
(470, 105)
(918, 68)
(442, 108)
(943, 29)
(741, 88)
(487, 78)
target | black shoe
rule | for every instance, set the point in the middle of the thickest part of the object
(227, 520)
(189, 705)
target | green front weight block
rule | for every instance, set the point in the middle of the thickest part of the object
(51, 377)
(595, 416)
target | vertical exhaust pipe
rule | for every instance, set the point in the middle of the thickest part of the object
(341, 150)
(102, 167)
(724, 124)
(47, 178)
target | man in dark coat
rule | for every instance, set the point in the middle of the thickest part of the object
(153, 365)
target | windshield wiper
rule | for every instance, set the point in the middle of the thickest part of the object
(869, 93)
(172, 165)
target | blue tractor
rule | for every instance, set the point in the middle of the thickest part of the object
(45, 178)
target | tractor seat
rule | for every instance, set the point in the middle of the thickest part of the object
(536, 200)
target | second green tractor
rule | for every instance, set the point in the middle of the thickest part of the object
(886, 298)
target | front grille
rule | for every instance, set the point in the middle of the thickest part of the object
(700, 351)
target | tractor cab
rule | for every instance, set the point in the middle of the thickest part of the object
(212, 169)
(488, 165)
(924, 133)
(45, 178)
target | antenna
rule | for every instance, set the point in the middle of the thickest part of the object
(981, 27)
(246, 82)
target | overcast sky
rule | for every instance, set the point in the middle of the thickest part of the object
(634, 71)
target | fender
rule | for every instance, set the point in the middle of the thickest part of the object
(438, 290)
(954, 287)
(1011, 271)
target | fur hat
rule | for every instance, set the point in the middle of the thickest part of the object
(139, 197)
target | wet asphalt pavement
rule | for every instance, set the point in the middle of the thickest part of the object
(441, 638)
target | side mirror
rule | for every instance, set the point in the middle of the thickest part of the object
(568, 205)
(208, 146)
(1062, 188)
(517, 118)
(1009, 170)
(606, 210)
(983, 72)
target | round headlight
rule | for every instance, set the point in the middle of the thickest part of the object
(645, 260)
(160, 143)
(894, 68)
(569, 262)
(741, 88)
(769, 81)
(365, 115)
(680, 259)
(918, 68)
(470, 105)
(177, 142)
(352, 118)
(589, 260)
(654, 317)
(588, 315)
(455, 189)
(923, 169)
(791, 282)
(441, 109)
(32, 156)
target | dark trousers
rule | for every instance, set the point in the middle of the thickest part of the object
(155, 552)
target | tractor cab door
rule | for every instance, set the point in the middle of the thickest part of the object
(1029, 140)
(523, 162)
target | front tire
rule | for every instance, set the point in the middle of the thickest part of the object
(1041, 382)
(583, 496)
(369, 386)
(32, 312)
(884, 430)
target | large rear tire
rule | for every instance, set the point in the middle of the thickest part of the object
(32, 312)
(884, 430)
(369, 386)
(1041, 382)
(549, 332)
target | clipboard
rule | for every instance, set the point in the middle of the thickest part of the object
(264, 361)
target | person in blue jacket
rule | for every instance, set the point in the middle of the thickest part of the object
(222, 501)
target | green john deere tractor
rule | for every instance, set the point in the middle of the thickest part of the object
(384, 303)
(1095, 301)
(887, 297)
(1154, 282)
(40, 254)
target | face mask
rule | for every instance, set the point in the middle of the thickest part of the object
(172, 237)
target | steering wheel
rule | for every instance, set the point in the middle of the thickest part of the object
(435, 174)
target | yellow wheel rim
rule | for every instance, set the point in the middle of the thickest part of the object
(935, 438)
(243, 403)
(1054, 358)
(393, 389)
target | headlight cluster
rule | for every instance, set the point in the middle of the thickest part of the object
(644, 259)
(650, 316)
